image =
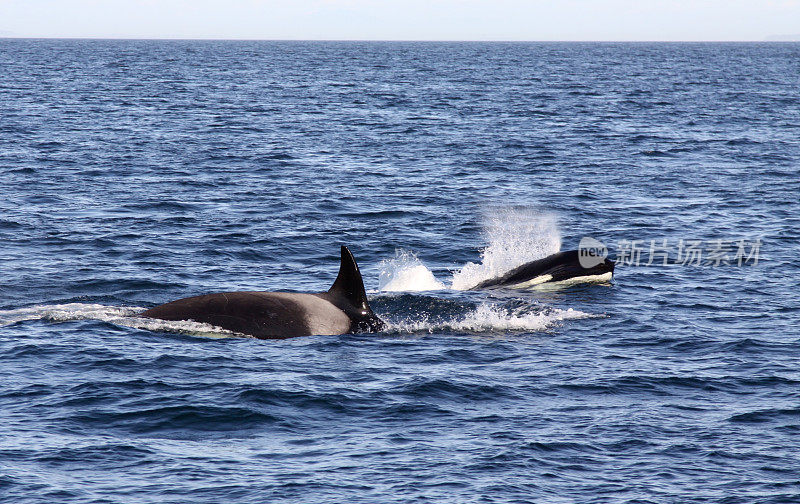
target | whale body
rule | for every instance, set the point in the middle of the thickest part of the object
(562, 267)
(275, 315)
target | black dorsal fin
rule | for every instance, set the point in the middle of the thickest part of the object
(349, 284)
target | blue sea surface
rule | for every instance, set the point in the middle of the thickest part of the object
(137, 172)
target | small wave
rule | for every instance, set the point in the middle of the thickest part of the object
(9, 224)
(742, 141)
(118, 315)
(166, 206)
(177, 418)
(406, 273)
(487, 318)
(656, 153)
(453, 389)
(25, 171)
(280, 156)
(516, 236)
(111, 452)
(767, 415)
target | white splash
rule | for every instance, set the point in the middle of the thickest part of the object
(70, 311)
(516, 236)
(486, 318)
(118, 315)
(406, 273)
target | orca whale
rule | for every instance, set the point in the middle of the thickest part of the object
(276, 315)
(562, 267)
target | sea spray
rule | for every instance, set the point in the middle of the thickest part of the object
(405, 272)
(516, 236)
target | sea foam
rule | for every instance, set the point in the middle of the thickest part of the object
(119, 315)
(491, 318)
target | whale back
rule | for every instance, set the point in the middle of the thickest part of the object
(553, 268)
(342, 309)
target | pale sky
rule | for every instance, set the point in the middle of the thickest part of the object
(405, 19)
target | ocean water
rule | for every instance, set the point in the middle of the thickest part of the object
(137, 172)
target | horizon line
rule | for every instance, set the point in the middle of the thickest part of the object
(212, 39)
